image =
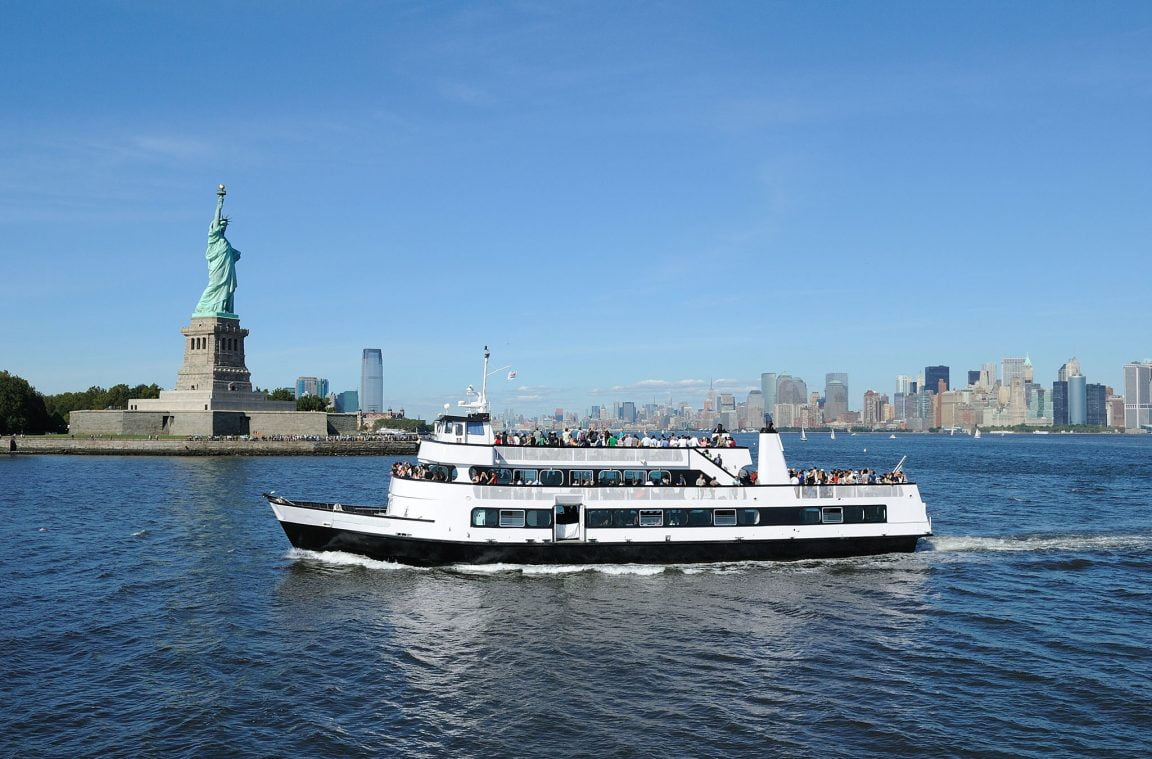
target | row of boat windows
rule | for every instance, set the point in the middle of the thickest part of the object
(579, 477)
(610, 518)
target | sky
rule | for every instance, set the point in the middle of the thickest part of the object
(625, 201)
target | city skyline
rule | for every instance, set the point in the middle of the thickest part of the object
(619, 201)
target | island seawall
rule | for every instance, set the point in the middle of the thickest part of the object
(88, 446)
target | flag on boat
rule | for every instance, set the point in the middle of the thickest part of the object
(512, 374)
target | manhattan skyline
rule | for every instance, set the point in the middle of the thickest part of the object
(624, 203)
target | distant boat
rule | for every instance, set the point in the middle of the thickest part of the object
(976, 434)
(833, 434)
(803, 435)
(892, 437)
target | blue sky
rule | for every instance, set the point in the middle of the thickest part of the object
(624, 200)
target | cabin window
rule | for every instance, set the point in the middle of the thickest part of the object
(503, 476)
(625, 518)
(475, 429)
(724, 517)
(832, 515)
(660, 477)
(748, 517)
(580, 477)
(458, 429)
(651, 518)
(608, 477)
(440, 473)
(599, 517)
(484, 517)
(810, 515)
(877, 513)
(699, 517)
(676, 517)
(634, 477)
(511, 517)
(538, 517)
(525, 477)
(552, 477)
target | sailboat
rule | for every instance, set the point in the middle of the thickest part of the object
(803, 435)
(833, 434)
(976, 434)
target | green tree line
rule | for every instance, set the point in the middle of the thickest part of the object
(24, 410)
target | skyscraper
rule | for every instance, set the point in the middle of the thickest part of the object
(1060, 402)
(835, 395)
(768, 389)
(932, 376)
(1011, 369)
(1070, 368)
(372, 381)
(315, 386)
(973, 377)
(1137, 395)
(1096, 409)
(1077, 399)
(754, 409)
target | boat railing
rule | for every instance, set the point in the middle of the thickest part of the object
(689, 493)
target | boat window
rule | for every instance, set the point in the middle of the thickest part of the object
(748, 516)
(660, 477)
(525, 477)
(484, 517)
(699, 517)
(724, 517)
(511, 517)
(503, 476)
(651, 518)
(877, 513)
(552, 477)
(599, 517)
(538, 517)
(676, 517)
(810, 515)
(476, 429)
(832, 515)
(458, 429)
(608, 477)
(635, 476)
(440, 473)
(625, 518)
(580, 477)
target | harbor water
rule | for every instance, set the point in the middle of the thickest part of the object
(153, 607)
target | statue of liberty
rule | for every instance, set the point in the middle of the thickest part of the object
(218, 297)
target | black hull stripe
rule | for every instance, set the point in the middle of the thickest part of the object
(435, 552)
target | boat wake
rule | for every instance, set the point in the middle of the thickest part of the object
(1037, 543)
(342, 559)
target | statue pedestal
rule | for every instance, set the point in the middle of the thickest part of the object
(214, 376)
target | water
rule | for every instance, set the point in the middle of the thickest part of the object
(152, 607)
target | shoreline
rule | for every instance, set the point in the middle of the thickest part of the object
(89, 447)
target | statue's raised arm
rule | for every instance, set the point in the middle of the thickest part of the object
(218, 297)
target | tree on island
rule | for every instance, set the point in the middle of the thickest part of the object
(279, 394)
(22, 409)
(311, 403)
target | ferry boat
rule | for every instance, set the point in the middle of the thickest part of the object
(480, 500)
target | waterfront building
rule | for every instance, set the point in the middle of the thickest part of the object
(1115, 406)
(372, 381)
(988, 375)
(1010, 369)
(348, 402)
(754, 409)
(1077, 399)
(835, 396)
(1060, 402)
(1137, 395)
(768, 389)
(314, 386)
(628, 412)
(1096, 405)
(932, 377)
(1070, 368)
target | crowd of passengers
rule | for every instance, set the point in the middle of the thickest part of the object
(816, 476)
(407, 471)
(582, 438)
